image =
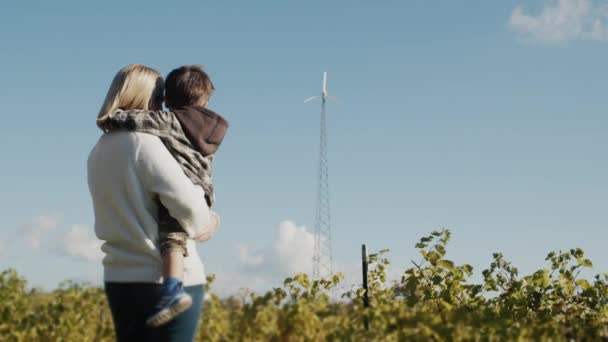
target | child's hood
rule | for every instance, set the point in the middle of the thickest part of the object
(203, 127)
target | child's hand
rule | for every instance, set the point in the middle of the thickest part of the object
(213, 227)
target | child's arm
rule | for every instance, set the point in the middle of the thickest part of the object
(158, 123)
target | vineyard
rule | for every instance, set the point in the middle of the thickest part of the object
(433, 301)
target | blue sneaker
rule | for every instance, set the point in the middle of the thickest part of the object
(173, 301)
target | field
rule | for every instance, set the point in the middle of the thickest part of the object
(434, 301)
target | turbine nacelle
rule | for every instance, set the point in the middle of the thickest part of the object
(323, 95)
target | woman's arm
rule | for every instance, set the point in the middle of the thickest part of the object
(162, 175)
(212, 229)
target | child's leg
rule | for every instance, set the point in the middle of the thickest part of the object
(173, 265)
(173, 250)
(172, 239)
(174, 300)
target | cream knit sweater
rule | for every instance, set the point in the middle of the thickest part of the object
(127, 171)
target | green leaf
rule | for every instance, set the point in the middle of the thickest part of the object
(447, 264)
(432, 257)
(541, 278)
(468, 269)
(583, 284)
(585, 263)
(303, 280)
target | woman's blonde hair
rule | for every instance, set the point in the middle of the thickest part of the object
(135, 86)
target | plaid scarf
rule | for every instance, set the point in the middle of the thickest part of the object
(167, 127)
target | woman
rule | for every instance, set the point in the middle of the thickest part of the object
(127, 173)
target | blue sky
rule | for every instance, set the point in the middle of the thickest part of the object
(487, 118)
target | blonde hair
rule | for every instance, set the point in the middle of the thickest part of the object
(134, 87)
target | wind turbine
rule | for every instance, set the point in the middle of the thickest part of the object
(322, 255)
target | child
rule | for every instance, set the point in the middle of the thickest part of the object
(192, 134)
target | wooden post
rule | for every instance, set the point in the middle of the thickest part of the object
(365, 287)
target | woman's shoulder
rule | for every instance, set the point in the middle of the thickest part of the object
(152, 154)
(124, 143)
(148, 141)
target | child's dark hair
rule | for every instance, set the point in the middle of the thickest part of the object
(187, 85)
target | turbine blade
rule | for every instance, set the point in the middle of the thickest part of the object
(311, 98)
(334, 99)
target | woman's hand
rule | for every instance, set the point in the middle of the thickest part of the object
(213, 227)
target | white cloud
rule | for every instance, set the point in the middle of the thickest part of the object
(36, 230)
(80, 243)
(294, 249)
(247, 258)
(561, 21)
(290, 253)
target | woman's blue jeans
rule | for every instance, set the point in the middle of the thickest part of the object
(132, 303)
